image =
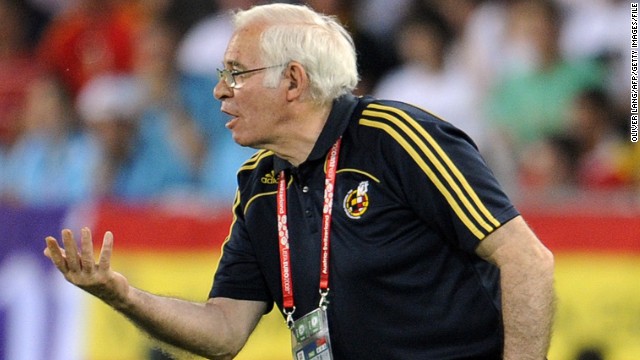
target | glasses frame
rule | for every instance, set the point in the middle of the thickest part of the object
(229, 76)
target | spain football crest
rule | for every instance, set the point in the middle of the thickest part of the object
(356, 202)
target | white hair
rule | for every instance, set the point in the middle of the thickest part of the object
(318, 42)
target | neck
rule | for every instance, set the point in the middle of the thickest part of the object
(302, 135)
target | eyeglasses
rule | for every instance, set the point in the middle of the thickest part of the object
(229, 76)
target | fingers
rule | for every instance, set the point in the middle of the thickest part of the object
(56, 254)
(73, 262)
(79, 267)
(105, 253)
(86, 251)
(69, 259)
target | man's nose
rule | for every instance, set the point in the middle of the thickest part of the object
(222, 90)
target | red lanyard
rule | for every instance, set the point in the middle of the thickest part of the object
(283, 234)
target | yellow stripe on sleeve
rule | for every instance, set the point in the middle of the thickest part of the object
(410, 129)
(432, 176)
(454, 169)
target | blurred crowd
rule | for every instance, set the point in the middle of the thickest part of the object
(113, 98)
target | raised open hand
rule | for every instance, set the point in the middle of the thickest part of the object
(79, 267)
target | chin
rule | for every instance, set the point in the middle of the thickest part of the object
(248, 141)
(242, 141)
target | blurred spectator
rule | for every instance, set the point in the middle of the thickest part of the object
(51, 7)
(378, 19)
(17, 70)
(50, 165)
(593, 122)
(129, 166)
(90, 38)
(530, 102)
(599, 29)
(548, 166)
(176, 108)
(482, 44)
(199, 54)
(33, 18)
(109, 105)
(376, 53)
(202, 48)
(180, 110)
(457, 14)
(587, 155)
(430, 77)
(141, 12)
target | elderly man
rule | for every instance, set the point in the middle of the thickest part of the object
(375, 227)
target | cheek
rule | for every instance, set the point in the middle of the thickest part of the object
(252, 116)
(259, 107)
(259, 110)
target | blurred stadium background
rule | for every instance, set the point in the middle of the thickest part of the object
(107, 120)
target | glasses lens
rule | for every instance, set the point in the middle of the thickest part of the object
(226, 76)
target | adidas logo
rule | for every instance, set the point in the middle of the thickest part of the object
(269, 178)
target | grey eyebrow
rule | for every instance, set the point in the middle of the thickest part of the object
(233, 64)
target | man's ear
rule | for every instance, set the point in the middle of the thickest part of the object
(297, 81)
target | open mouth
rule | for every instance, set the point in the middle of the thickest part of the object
(231, 122)
(232, 118)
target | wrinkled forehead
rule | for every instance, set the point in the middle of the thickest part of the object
(243, 49)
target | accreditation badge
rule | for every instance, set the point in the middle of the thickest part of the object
(310, 337)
